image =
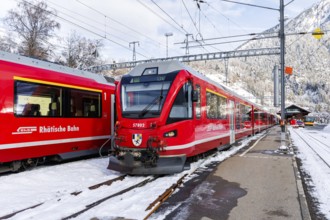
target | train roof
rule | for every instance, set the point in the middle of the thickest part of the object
(165, 67)
(27, 61)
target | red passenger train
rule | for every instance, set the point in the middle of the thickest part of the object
(168, 113)
(48, 111)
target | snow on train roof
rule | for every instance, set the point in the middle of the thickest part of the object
(14, 58)
(165, 67)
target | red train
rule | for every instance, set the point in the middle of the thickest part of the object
(48, 111)
(168, 113)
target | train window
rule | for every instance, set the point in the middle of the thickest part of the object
(245, 116)
(198, 103)
(216, 106)
(211, 103)
(182, 106)
(84, 104)
(34, 100)
(238, 118)
(38, 100)
(143, 99)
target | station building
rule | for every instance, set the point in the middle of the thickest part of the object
(296, 111)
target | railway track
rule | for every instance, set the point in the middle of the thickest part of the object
(318, 140)
(152, 207)
(93, 187)
(140, 187)
(98, 202)
(319, 152)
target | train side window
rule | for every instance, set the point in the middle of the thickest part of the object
(34, 100)
(198, 103)
(238, 118)
(182, 106)
(211, 103)
(84, 104)
(54, 107)
(222, 103)
(245, 116)
(216, 106)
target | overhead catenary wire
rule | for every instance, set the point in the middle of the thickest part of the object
(89, 19)
(220, 13)
(185, 31)
(94, 27)
(194, 23)
(235, 41)
(199, 42)
(192, 20)
(151, 10)
(252, 5)
(106, 33)
(86, 29)
(118, 22)
(244, 40)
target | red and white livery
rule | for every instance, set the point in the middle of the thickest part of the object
(48, 111)
(167, 113)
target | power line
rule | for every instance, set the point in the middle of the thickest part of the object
(147, 7)
(169, 16)
(198, 30)
(116, 21)
(97, 22)
(192, 20)
(252, 5)
(186, 32)
(94, 27)
(236, 41)
(226, 17)
(84, 28)
(240, 35)
(243, 40)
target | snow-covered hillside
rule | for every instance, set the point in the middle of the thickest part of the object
(309, 86)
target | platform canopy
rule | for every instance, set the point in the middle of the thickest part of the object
(296, 111)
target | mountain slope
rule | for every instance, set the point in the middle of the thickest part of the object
(309, 85)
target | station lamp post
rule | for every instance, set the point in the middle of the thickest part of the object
(167, 35)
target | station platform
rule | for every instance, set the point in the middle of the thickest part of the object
(258, 182)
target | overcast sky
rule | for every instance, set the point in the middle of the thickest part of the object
(147, 21)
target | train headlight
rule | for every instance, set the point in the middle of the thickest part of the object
(170, 134)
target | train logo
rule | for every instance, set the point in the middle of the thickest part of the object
(25, 130)
(137, 139)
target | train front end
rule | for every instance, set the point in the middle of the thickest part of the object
(147, 131)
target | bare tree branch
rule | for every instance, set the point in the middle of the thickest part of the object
(34, 25)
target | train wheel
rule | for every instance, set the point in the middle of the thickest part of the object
(29, 163)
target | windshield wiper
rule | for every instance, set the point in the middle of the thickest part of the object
(148, 107)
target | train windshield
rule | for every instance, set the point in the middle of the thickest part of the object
(143, 100)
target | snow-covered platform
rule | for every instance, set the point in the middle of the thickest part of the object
(259, 182)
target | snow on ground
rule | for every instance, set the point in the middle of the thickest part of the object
(312, 164)
(53, 185)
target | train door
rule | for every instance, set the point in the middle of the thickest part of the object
(231, 121)
(198, 111)
(113, 116)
